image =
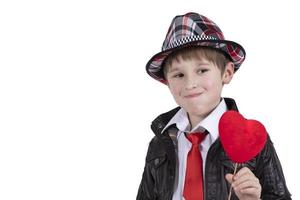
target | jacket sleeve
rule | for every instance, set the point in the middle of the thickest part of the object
(146, 188)
(270, 174)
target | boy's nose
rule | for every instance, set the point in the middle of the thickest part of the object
(189, 85)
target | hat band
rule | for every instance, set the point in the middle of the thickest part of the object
(185, 40)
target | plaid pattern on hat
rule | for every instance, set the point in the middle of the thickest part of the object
(193, 29)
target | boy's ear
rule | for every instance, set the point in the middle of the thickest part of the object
(228, 72)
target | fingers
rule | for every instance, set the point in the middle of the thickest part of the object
(245, 183)
(229, 178)
(250, 191)
(245, 175)
(242, 172)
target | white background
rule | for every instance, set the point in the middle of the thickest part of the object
(76, 103)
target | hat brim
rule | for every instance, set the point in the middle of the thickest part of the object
(232, 49)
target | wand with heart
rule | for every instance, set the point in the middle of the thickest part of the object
(242, 139)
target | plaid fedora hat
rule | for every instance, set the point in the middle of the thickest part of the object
(193, 29)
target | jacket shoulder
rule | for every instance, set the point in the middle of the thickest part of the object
(155, 149)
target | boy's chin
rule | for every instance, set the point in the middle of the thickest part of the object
(197, 111)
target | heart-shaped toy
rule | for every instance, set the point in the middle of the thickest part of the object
(242, 139)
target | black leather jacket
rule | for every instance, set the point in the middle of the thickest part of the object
(160, 168)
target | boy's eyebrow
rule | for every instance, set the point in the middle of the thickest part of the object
(173, 69)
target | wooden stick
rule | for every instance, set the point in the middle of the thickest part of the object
(230, 190)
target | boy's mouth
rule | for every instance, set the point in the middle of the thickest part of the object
(189, 96)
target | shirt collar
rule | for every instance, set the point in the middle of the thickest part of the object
(210, 123)
(180, 119)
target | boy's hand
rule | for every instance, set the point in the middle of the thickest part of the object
(245, 184)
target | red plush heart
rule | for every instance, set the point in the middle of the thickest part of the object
(242, 139)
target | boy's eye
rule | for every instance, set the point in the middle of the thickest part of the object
(179, 75)
(201, 71)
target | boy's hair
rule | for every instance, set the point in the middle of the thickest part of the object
(213, 55)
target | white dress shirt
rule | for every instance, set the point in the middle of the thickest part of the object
(210, 123)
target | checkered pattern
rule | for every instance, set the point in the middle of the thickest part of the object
(193, 29)
(188, 39)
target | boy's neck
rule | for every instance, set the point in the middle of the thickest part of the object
(194, 120)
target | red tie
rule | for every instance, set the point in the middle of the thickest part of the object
(193, 186)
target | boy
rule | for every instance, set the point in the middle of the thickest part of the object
(185, 159)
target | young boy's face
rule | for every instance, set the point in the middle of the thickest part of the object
(196, 85)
